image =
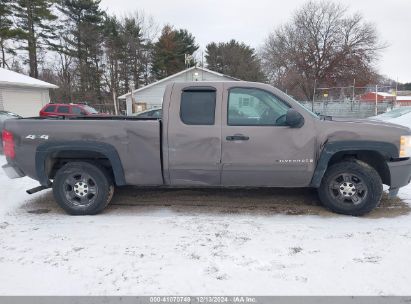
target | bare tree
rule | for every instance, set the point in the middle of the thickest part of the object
(64, 68)
(322, 44)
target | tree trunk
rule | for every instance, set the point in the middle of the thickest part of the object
(97, 80)
(80, 58)
(31, 42)
(3, 55)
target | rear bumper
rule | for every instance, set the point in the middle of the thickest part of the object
(400, 172)
(12, 171)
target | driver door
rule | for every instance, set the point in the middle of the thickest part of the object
(258, 148)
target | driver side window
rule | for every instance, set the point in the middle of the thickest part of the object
(255, 107)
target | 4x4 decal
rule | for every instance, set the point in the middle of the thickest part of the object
(37, 137)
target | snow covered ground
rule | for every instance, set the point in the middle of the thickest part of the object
(261, 242)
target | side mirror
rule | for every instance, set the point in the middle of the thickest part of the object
(294, 119)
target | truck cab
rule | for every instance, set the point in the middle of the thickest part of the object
(236, 134)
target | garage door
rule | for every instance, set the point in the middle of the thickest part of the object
(24, 102)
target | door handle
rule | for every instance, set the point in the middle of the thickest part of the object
(237, 137)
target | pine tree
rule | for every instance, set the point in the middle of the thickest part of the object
(113, 52)
(235, 59)
(34, 18)
(8, 31)
(85, 21)
(169, 51)
(185, 44)
(125, 54)
(134, 47)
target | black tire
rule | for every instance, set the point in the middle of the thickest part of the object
(351, 187)
(82, 188)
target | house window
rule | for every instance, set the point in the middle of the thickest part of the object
(76, 110)
(139, 107)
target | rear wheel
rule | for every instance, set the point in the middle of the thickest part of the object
(351, 187)
(82, 188)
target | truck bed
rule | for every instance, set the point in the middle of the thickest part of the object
(136, 140)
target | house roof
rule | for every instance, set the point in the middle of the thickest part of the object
(8, 77)
(384, 94)
(175, 75)
(403, 98)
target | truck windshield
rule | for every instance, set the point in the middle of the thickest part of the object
(90, 110)
(309, 111)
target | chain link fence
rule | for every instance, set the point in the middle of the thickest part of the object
(354, 109)
(352, 101)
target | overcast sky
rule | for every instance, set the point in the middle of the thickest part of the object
(251, 21)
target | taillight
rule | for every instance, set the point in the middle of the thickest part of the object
(8, 144)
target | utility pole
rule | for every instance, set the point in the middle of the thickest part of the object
(312, 103)
(376, 99)
(396, 92)
(132, 102)
(353, 94)
(202, 65)
(115, 102)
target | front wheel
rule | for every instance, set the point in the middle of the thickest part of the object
(351, 188)
(82, 188)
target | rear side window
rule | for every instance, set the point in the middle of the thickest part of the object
(63, 109)
(50, 109)
(76, 110)
(198, 107)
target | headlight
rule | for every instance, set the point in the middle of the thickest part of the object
(405, 146)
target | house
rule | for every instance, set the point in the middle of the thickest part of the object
(381, 97)
(22, 94)
(404, 100)
(151, 96)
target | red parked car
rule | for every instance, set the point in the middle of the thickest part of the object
(57, 109)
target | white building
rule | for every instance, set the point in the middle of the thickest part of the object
(151, 96)
(22, 94)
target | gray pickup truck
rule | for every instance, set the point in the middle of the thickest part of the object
(212, 134)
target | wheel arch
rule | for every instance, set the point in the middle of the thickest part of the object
(374, 153)
(50, 154)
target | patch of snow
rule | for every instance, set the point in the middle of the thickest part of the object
(13, 192)
(403, 98)
(385, 94)
(13, 78)
(151, 250)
